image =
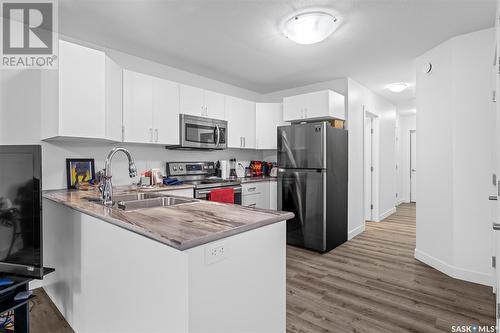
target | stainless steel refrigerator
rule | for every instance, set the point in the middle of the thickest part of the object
(312, 183)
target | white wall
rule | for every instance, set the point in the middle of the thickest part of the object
(406, 124)
(454, 152)
(20, 114)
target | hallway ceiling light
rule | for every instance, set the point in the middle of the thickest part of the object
(310, 27)
(397, 87)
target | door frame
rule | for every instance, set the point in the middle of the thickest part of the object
(409, 170)
(374, 172)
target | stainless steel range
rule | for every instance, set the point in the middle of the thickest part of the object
(201, 175)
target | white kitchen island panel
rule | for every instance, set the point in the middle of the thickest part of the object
(110, 279)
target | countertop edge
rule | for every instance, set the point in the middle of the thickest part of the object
(178, 246)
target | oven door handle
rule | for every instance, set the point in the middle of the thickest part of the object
(236, 190)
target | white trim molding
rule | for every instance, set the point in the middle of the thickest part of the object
(356, 231)
(455, 272)
(385, 214)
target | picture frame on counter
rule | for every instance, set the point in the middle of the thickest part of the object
(79, 171)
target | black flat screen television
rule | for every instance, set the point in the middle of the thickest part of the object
(21, 210)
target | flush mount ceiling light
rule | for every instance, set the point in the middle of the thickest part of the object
(397, 87)
(310, 27)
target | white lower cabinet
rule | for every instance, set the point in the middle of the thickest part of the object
(273, 195)
(256, 194)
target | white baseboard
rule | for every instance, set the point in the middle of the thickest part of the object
(385, 214)
(455, 272)
(356, 231)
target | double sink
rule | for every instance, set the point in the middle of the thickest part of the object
(140, 200)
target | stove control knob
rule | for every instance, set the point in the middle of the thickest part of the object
(175, 168)
(181, 168)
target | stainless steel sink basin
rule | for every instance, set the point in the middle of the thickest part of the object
(134, 196)
(128, 197)
(152, 202)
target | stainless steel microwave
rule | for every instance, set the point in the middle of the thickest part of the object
(201, 133)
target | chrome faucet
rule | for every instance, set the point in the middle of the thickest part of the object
(106, 188)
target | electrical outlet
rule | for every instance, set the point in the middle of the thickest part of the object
(215, 253)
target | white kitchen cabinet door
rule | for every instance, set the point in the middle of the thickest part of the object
(214, 104)
(293, 108)
(114, 100)
(240, 116)
(273, 195)
(165, 111)
(83, 99)
(192, 100)
(137, 107)
(325, 104)
(82, 92)
(268, 116)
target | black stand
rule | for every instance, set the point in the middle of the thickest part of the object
(21, 308)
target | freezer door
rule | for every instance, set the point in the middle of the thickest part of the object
(303, 193)
(301, 146)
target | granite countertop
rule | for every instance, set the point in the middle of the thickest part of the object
(257, 179)
(181, 226)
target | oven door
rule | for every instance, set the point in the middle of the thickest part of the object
(203, 194)
(199, 132)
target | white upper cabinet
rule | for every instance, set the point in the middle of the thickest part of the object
(199, 102)
(150, 109)
(240, 116)
(74, 98)
(191, 100)
(165, 111)
(268, 116)
(325, 104)
(214, 103)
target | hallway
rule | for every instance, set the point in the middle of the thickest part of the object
(373, 284)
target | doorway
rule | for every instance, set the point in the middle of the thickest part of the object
(413, 166)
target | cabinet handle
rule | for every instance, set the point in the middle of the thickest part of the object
(202, 110)
(251, 189)
(150, 134)
(244, 142)
(241, 141)
(156, 135)
(252, 205)
(206, 110)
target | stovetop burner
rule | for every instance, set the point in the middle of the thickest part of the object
(199, 174)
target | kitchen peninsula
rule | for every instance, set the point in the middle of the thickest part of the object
(197, 266)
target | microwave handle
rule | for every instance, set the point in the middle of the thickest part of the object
(217, 130)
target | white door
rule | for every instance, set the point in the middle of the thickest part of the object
(368, 168)
(191, 100)
(137, 107)
(413, 166)
(214, 103)
(165, 111)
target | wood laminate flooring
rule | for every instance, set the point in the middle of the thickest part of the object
(373, 284)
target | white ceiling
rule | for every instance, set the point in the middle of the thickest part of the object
(238, 41)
